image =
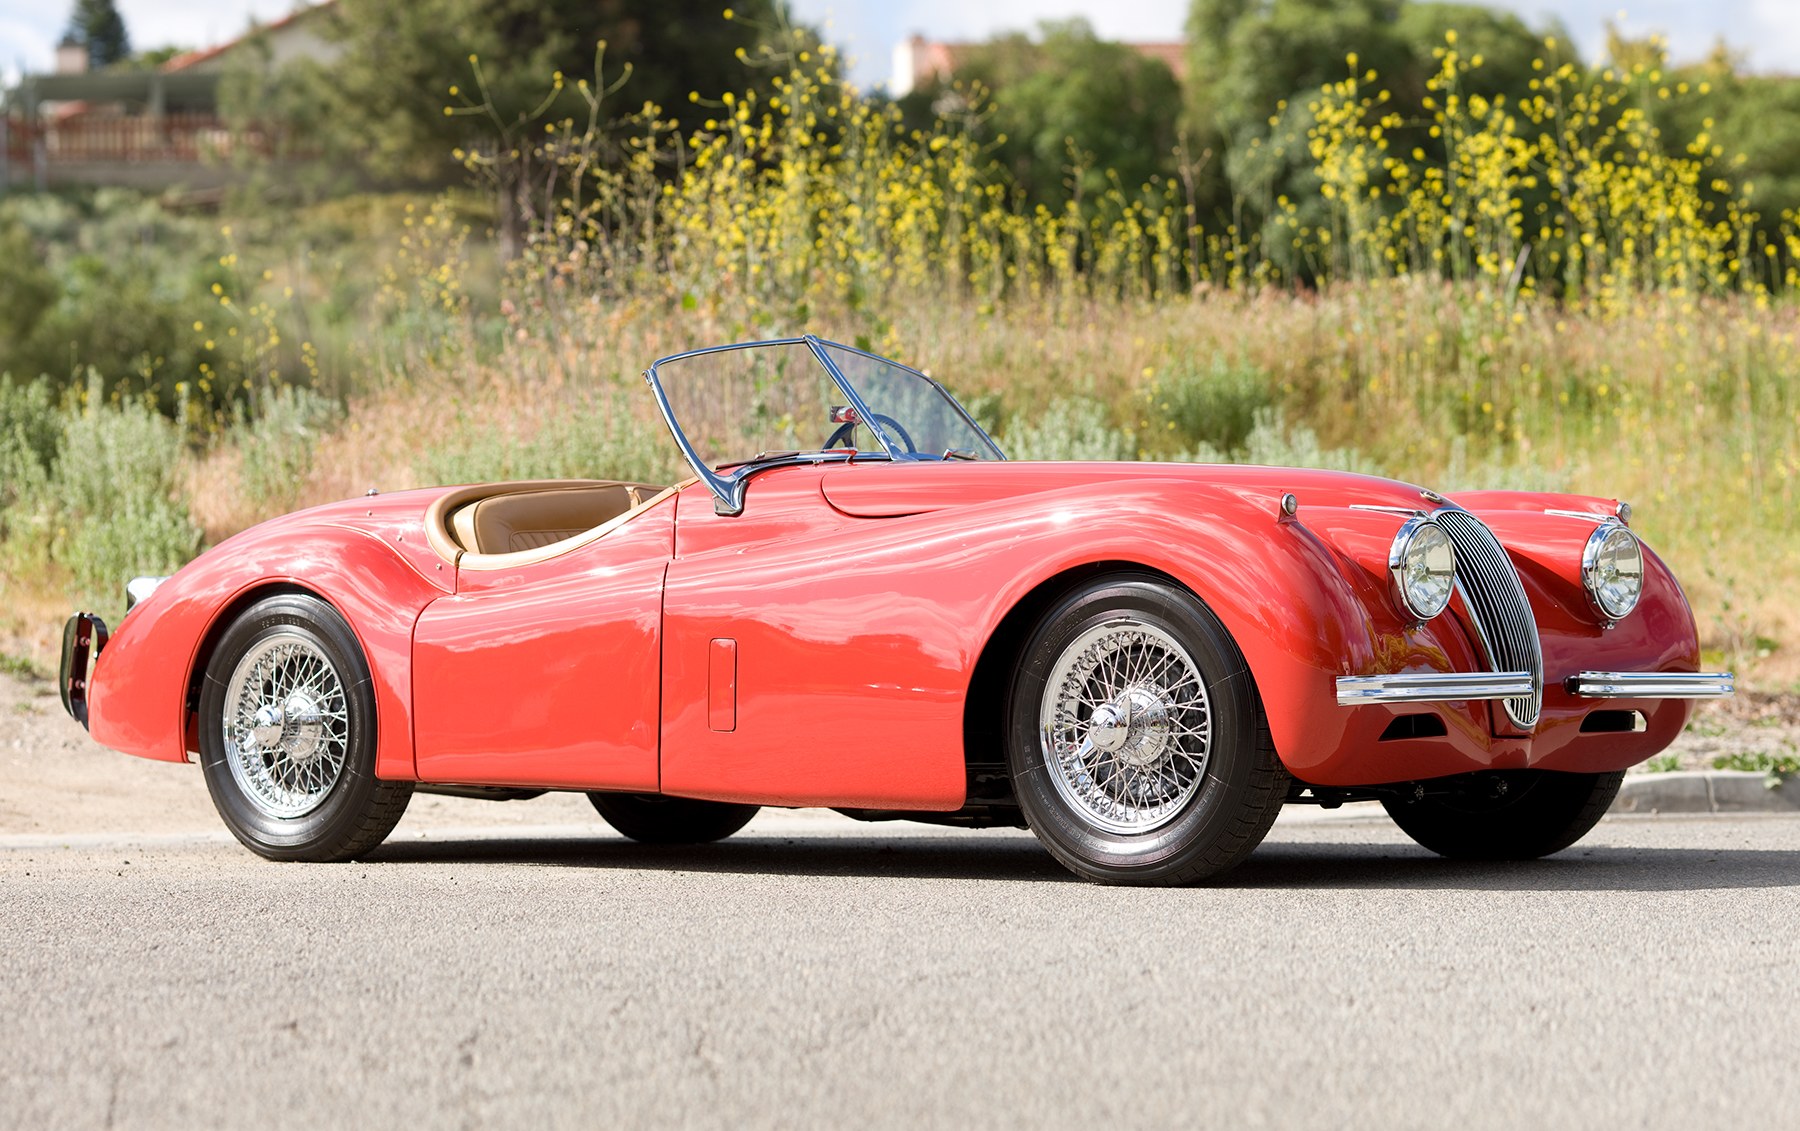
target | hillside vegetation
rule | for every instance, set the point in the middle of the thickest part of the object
(1548, 297)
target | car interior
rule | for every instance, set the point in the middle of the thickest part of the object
(499, 525)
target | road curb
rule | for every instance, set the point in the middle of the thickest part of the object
(1707, 791)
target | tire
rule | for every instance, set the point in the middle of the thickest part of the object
(1167, 779)
(1540, 812)
(287, 735)
(653, 819)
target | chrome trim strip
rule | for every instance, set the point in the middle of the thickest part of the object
(1409, 511)
(1432, 687)
(1652, 685)
(1588, 516)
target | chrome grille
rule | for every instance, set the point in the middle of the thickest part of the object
(1491, 589)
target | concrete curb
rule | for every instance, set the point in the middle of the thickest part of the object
(1706, 791)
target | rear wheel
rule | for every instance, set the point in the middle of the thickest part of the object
(1519, 815)
(1136, 741)
(654, 819)
(287, 735)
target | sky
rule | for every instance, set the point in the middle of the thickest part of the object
(1765, 32)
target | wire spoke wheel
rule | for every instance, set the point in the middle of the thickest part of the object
(1136, 743)
(286, 725)
(288, 734)
(1126, 726)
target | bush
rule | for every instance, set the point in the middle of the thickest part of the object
(278, 433)
(1213, 405)
(1076, 429)
(597, 436)
(1271, 443)
(110, 499)
(29, 435)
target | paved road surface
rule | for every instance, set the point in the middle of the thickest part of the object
(816, 972)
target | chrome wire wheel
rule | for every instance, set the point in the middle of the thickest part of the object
(286, 725)
(1126, 726)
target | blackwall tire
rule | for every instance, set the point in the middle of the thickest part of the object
(1541, 812)
(653, 819)
(1136, 740)
(287, 735)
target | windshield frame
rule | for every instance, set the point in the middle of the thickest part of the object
(728, 488)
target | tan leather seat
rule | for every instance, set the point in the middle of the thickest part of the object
(501, 525)
(529, 520)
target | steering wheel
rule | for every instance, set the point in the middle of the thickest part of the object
(888, 424)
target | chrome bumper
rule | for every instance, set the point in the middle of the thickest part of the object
(1432, 687)
(83, 638)
(1652, 685)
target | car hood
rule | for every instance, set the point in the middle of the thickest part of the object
(890, 490)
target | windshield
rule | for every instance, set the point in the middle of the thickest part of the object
(734, 408)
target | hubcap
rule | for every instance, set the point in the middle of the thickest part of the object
(1126, 726)
(286, 725)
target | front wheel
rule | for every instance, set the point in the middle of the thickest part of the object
(287, 735)
(653, 819)
(1136, 740)
(1519, 815)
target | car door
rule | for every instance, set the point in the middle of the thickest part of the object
(811, 658)
(547, 674)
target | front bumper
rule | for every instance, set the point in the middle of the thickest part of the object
(1456, 687)
(1432, 687)
(84, 637)
(1652, 685)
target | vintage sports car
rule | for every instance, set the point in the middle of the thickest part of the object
(858, 602)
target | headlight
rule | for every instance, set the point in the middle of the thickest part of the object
(1423, 566)
(1612, 568)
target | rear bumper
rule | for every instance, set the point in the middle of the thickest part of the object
(1652, 685)
(1432, 687)
(83, 639)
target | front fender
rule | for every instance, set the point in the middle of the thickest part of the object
(1305, 598)
(139, 701)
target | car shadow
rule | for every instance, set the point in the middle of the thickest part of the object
(1312, 866)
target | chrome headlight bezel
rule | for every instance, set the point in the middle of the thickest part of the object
(1603, 588)
(1419, 539)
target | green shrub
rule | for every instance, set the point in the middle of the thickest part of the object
(110, 499)
(1070, 429)
(29, 435)
(1214, 405)
(278, 435)
(594, 436)
(1271, 443)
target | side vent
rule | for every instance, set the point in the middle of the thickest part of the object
(1414, 726)
(1613, 722)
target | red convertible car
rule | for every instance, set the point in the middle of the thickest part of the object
(858, 603)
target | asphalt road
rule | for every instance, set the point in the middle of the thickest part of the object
(815, 972)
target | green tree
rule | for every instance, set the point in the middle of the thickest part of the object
(97, 26)
(386, 95)
(1071, 109)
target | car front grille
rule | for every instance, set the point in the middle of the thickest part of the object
(1496, 600)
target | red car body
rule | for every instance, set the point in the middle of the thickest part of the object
(849, 638)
